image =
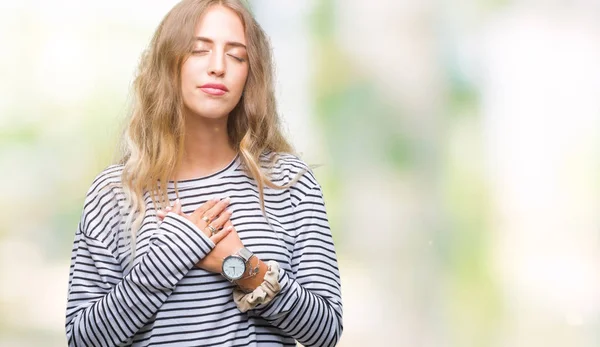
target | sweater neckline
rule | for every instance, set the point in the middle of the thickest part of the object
(232, 166)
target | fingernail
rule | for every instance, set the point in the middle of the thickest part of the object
(177, 202)
(227, 200)
(228, 228)
(168, 208)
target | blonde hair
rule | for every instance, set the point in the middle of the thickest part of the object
(153, 141)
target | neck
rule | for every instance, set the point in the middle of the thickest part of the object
(207, 148)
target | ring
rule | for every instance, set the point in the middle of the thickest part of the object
(206, 219)
(212, 229)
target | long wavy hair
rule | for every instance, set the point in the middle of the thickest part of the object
(153, 141)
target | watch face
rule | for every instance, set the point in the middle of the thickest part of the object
(234, 267)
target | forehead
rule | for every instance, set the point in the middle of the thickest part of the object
(220, 23)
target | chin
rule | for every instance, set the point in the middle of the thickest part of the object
(210, 107)
(210, 113)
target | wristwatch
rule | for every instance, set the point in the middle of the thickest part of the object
(234, 266)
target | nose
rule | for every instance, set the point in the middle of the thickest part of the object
(217, 64)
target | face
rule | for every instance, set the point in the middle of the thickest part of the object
(214, 75)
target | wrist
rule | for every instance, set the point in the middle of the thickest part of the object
(253, 276)
(244, 269)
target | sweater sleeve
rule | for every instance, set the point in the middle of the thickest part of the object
(106, 309)
(309, 306)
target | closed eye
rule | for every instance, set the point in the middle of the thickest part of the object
(200, 51)
(241, 60)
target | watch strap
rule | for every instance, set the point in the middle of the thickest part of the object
(246, 254)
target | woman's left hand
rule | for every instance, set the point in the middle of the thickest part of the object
(229, 245)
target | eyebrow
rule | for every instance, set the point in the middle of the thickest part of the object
(228, 43)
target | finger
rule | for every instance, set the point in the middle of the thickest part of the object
(217, 209)
(201, 211)
(215, 226)
(163, 213)
(221, 220)
(228, 223)
(216, 238)
(177, 207)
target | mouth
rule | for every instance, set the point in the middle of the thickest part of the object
(214, 89)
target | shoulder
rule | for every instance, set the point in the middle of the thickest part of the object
(295, 173)
(102, 199)
(110, 176)
(288, 167)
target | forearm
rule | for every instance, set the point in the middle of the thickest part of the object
(312, 317)
(98, 316)
(308, 306)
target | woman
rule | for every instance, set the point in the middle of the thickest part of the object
(210, 232)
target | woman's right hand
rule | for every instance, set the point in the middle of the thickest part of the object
(213, 213)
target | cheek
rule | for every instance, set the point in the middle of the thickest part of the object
(187, 75)
(190, 70)
(240, 78)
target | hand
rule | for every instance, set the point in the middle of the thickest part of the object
(227, 241)
(211, 213)
(229, 245)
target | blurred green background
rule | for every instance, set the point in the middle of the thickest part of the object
(460, 143)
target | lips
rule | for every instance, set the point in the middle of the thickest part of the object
(214, 89)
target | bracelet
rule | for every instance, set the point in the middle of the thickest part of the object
(253, 271)
(263, 294)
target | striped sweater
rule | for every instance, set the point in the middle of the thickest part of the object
(162, 299)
